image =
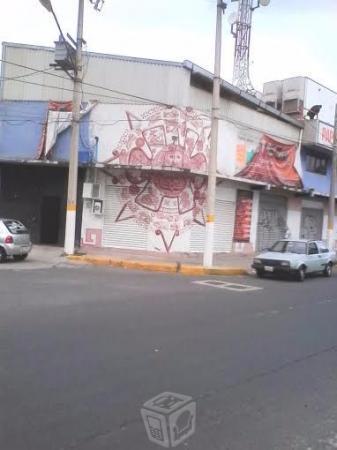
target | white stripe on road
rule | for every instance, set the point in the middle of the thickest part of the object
(219, 284)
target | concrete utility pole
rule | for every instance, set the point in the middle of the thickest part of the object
(212, 164)
(332, 201)
(69, 241)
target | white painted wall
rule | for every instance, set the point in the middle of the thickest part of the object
(325, 222)
(294, 216)
(109, 122)
(316, 94)
(243, 116)
(240, 124)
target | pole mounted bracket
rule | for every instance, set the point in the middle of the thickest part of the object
(253, 8)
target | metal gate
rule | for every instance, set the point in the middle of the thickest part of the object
(223, 232)
(123, 234)
(272, 222)
(311, 223)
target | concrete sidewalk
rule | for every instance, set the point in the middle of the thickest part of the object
(41, 257)
(185, 263)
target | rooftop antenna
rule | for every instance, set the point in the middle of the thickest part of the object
(241, 26)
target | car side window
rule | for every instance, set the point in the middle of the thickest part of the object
(322, 247)
(312, 249)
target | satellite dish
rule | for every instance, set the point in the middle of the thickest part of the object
(264, 2)
(232, 18)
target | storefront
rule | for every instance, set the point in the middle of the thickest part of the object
(156, 211)
(272, 220)
(312, 221)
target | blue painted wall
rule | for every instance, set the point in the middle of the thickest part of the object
(21, 125)
(86, 148)
(21, 128)
(320, 183)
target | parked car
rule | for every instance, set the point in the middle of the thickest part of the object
(296, 258)
(14, 240)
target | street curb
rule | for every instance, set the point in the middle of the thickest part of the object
(174, 267)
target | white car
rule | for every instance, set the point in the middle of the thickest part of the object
(14, 240)
(295, 257)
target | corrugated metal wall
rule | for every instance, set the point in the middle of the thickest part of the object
(159, 81)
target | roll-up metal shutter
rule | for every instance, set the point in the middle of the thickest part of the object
(224, 229)
(311, 223)
(224, 225)
(272, 222)
(197, 241)
(124, 234)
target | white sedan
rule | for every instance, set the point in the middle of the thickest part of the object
(296, 258)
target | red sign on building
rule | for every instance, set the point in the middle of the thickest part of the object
(243, 217)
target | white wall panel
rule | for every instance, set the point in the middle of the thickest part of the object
(316, 94)
(158, 81)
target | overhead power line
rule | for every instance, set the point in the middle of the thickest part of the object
(94, 94)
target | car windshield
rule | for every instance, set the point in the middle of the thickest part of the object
(289, 247)
(15, 227)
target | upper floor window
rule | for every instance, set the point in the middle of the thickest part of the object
(317, 164)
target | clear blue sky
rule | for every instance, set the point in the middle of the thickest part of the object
(289, 37)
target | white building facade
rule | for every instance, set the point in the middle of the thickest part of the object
(151, 124)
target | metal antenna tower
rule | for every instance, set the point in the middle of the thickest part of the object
(241, 30)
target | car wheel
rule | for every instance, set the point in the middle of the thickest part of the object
(328, 270)
(20, 257)
(260, 273)
(300, 276)
(3, 255)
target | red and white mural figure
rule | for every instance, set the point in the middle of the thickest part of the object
(164, 203)
(164, 137)
(274, 163)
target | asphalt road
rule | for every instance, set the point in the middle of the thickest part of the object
(82, 349)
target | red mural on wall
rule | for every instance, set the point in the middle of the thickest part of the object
(273, 163)
(165, 137)
(165, 203)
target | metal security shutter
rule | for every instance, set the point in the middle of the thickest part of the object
(311, 223)
(125, 234)
(197, 241)
(272, 222)
(224, 229)
(224, 225)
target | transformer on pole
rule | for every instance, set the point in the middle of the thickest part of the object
(241, 30)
